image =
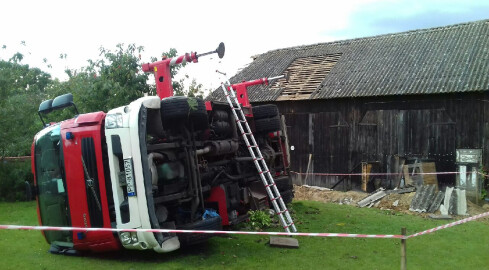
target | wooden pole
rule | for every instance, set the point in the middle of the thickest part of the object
(403, 250)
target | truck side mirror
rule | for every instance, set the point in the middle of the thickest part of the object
(63, 101)
(60, 102)
(44, 108)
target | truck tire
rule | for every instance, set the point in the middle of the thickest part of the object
(200, 121)
(266, 125)
(210, 224)
(265, 111)
(176, 109)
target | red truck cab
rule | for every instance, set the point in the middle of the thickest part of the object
(72, 184)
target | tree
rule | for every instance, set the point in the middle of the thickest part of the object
(112, 81)
(194, 89)
(22, 89)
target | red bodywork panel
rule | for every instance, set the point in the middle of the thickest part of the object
(162, 73)
(208, 106)
(218, 195)
(162, 77)
(86, 125)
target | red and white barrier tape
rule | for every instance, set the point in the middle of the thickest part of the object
(348, 235)
(465, 220)
(384, 174)
(373, 174)
(81, 229)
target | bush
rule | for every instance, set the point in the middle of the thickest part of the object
(259, 219)
(12, 180)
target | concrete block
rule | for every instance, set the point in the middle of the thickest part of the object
(440, 216)
(444, 208)
(461, 202)
(285, 242)
(452, 208)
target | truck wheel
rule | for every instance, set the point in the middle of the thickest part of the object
(177, 109)
(266, 125)
(265, 111)
(210, 224)
(200, 121)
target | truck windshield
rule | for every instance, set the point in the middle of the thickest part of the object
(53, 199)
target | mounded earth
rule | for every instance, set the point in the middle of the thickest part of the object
(386, 203)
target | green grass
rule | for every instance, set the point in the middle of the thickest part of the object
(461, 247)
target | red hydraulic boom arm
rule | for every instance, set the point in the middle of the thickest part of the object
(242, 89)
(162, 73)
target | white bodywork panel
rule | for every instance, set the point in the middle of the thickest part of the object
(138, 209)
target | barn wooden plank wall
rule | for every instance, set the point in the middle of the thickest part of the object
(342, 133)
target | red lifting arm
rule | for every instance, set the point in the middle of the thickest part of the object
(242, 91)
(162, 73)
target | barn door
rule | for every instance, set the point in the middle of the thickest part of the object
(367, 139)
(442, 134)
(339, 141)
(297, 127)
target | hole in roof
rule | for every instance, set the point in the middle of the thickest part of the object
(305, 76)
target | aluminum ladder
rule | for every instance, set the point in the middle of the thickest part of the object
(260, 164)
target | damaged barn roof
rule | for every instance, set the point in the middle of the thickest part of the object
(448, 59)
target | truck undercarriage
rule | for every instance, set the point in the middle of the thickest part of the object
(196, 170)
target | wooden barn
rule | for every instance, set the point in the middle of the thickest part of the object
(385, 100)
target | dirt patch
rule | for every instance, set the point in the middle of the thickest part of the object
(396, 202)
(315, 194)
(474, 209)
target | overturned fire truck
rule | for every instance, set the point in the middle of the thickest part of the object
(162, 161)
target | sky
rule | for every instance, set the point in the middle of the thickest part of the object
(79, 28)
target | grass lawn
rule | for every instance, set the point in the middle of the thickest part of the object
(461, 247)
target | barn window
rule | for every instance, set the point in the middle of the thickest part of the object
(305, 76)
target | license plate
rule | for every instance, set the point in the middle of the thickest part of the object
(131, 188)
